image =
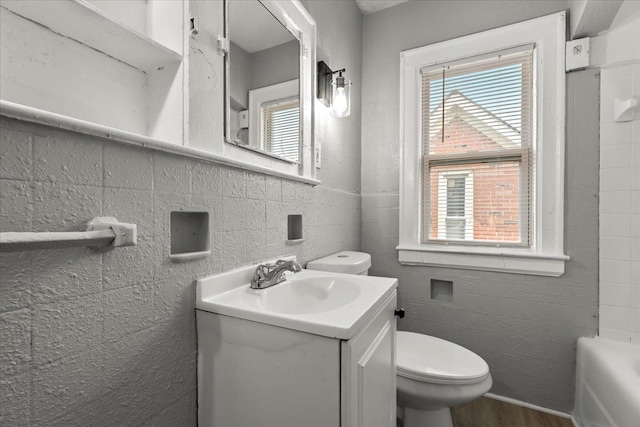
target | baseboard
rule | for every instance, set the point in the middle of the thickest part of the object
(574, 421)
(530, 406)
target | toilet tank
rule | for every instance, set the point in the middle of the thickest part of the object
(343, 262)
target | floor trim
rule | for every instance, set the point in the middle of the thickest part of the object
(530, 406)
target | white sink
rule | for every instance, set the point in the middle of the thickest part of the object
(307, 295)
(329, 304)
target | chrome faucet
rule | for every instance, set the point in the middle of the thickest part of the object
(271, 274)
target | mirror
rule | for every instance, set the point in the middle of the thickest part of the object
(263, 95)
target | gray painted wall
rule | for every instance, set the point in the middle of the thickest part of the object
(240, 81)
(92, 338)
(340, 46)
(524, 326)
(275, 65)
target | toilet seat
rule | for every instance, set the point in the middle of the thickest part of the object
(429, 359)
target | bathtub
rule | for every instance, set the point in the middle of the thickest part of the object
(607, 384)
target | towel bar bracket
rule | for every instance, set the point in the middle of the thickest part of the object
(125, 234)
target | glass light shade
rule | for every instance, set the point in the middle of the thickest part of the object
(341, 97)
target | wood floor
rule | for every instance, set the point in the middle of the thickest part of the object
(485, 412)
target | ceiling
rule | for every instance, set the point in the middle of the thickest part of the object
(370, 6)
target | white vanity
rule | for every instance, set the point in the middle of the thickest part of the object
(315, 350)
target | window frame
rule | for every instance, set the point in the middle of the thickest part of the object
(545, 254)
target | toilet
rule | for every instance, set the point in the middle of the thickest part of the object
(432, 374)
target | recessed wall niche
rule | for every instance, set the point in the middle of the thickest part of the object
(189, 235)
(294, 228)
(442, 290)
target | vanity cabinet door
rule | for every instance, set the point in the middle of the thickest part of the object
(369, 372)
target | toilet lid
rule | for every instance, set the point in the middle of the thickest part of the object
(425, 358)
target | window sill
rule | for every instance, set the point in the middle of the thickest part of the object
(504, 260)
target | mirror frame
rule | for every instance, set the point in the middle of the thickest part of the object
(295, 18)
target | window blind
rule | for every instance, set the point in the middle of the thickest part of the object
(477, 133)
(281, 128)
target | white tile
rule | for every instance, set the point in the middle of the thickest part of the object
(635, 338)
(635, 202)
(615, 334)
(635, 78)
(635, 272)
(635, 144)
(635, 178)
(634, 299)
(614, 83)
(615, 225)
(612, 271)
(635, 319)
(612, 317)
(613, 179)
(635, 225)
(615, 156)
(635, 135)
(635, 248)
(615, 294)
(615, 202)
(613, 133)
(618, 248)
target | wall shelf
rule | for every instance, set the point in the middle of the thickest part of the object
(119, 64)
(87, 24)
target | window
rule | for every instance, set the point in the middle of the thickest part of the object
(274, 124)
(476, 116)
(281, 128)
(483, 160)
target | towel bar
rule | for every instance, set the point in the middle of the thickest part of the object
(101, 231)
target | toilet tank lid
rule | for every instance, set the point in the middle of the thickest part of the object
(342, 262)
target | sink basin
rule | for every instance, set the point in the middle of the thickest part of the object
(309, 295)
(323, 303)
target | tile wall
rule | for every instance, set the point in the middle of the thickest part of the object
(91, 338)
(619, 209)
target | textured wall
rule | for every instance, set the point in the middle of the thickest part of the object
(524, 326)
(92, 338)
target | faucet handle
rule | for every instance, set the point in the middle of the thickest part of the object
(295, 267)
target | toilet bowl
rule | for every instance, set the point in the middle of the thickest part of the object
(432, 374)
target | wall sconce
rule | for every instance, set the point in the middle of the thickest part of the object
(335, 93)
